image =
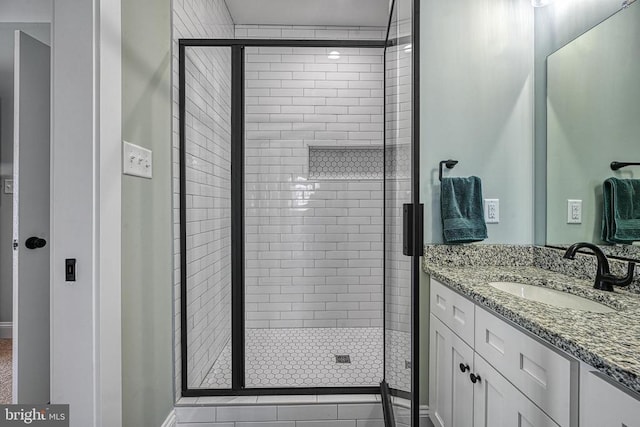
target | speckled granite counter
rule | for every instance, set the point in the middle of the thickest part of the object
(609, 342)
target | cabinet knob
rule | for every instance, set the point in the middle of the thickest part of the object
(464, 367)
(475, 378)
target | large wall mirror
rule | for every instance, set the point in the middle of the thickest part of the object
(593, 118)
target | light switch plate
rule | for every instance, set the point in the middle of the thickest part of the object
(7, 186)
(492, 211)
(136, 161)
(574, 211)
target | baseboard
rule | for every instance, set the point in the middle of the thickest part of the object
(424, 411)
(171, 419)
(425, 420)
(6, 329)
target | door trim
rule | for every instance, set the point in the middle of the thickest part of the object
(86, 198)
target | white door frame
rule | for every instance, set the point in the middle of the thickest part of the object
(86, 211)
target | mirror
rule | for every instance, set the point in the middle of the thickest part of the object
(593, 118)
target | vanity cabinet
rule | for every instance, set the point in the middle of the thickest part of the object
(486, 373)
(455, 400)
(603, 404)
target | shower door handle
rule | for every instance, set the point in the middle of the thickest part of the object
(407, 229)
(411, 233)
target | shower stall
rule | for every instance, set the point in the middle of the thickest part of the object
(295, 177)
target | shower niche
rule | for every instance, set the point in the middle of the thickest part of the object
(346, 163)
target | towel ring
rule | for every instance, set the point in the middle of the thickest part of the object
(449, 164)
(619, 165)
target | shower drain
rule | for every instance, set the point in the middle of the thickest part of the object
(343, 358)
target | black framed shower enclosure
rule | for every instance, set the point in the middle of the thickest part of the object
(237, 196)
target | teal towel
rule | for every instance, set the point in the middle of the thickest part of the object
(621, 210)
(462, 211)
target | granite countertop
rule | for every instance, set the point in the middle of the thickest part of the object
(610, 342)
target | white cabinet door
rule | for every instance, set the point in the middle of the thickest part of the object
(542, 374)
(497, 403)
(450, 389)
(602, 404)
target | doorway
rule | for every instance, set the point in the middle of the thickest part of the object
(24, 62)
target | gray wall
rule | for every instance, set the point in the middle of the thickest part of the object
(476, 101)
(555, 26)
(146, 215)
(477, 107)
(42, 33)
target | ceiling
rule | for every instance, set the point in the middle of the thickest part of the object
(365, 13)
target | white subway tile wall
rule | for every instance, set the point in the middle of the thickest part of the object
(398, 188)
(316, 414)
(303, 32)
(208, 203)
(208, 142)
(313, 247)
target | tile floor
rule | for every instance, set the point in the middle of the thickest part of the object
(305, 357)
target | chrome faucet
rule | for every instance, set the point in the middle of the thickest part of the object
(604, 279)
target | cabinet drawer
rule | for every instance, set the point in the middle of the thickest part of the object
(542, 374)
(454, 310)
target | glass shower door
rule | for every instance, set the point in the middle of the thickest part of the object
(401, 216)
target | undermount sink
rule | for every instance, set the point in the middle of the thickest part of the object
(551, 297)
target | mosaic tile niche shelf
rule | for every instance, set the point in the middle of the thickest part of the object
(346, 163)
(305, 357)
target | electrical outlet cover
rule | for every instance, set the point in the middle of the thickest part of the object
(492, 211)
(574, 211)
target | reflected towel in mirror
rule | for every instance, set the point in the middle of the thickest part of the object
(621, 210)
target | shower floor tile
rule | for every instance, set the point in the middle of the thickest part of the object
(398, 357)
(305, 357)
